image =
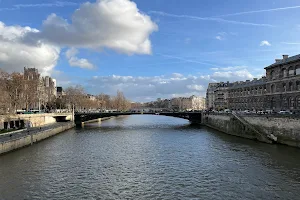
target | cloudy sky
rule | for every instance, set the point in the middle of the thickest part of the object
(148, 49)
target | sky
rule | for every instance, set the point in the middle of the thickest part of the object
(147, 49)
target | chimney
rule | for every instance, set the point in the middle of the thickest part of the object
(277, 60)
(285, 57)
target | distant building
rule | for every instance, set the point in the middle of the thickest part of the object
(91, 97)
(217, 96)
(59, 92)
(278, 90)
(210, 95)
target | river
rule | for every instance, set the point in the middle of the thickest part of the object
(149, 157)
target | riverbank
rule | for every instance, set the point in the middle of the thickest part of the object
(23, 138)
(29, 137)
(269, 129)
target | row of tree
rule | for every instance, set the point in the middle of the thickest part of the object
(19, 92)
(77, 97)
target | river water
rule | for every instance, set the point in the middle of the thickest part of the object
(149, 157)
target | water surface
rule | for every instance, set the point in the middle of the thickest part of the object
(149, 157)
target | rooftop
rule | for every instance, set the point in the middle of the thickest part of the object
(248, 83)
(284, 61)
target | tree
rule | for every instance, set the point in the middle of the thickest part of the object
(15, 89)
(120, 102)
(75, 97)
(5, 104)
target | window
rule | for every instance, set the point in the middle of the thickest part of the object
(297, 70)
(283, 87)
(291, 86)
(292, 102)
(291, 71)
(283, 73)
(298, 102)
(273, 89)
(272, 74)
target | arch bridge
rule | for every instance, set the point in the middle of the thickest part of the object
(80, 118)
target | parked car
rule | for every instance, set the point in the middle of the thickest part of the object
(227, 111)
(285, 112)
(246, 112)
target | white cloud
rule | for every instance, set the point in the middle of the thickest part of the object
(219, 37)
(232, 75)
(196, 87)
(224, 35)
(81, 62)
(74, 61)
(265, 43)
(177, 75)
(15, 55)
(141, 88)
(112, 24)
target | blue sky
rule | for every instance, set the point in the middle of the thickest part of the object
(147, 49)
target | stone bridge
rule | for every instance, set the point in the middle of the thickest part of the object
(194, 117)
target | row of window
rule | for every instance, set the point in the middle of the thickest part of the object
(291, 86)
(291, 71)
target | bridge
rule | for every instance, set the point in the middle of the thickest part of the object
(194, 117)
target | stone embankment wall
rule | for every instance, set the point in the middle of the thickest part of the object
(30, 139)
(286, 129)
(228, 124)
(35, 119)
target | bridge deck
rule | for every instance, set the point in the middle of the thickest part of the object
(83, 117)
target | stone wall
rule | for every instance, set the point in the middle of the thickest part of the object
(30, 139)
(228, 124)
(286, 129)
(36, 120)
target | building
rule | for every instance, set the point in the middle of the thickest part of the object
(210, 95)
(283, 84)
(247, 95)
(278, 90)
(91, 97)
(217, 96)
(188, 103)
(60, 92)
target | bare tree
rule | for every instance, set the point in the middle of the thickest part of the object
(5, 105)
(75, 97)
(15, 89)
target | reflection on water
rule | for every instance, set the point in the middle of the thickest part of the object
(149, 157)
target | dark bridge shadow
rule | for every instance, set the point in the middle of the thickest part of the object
(194, 117)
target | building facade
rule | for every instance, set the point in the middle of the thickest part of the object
(217, 96)
(283, 84)
(278, 90)
(177, 104)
